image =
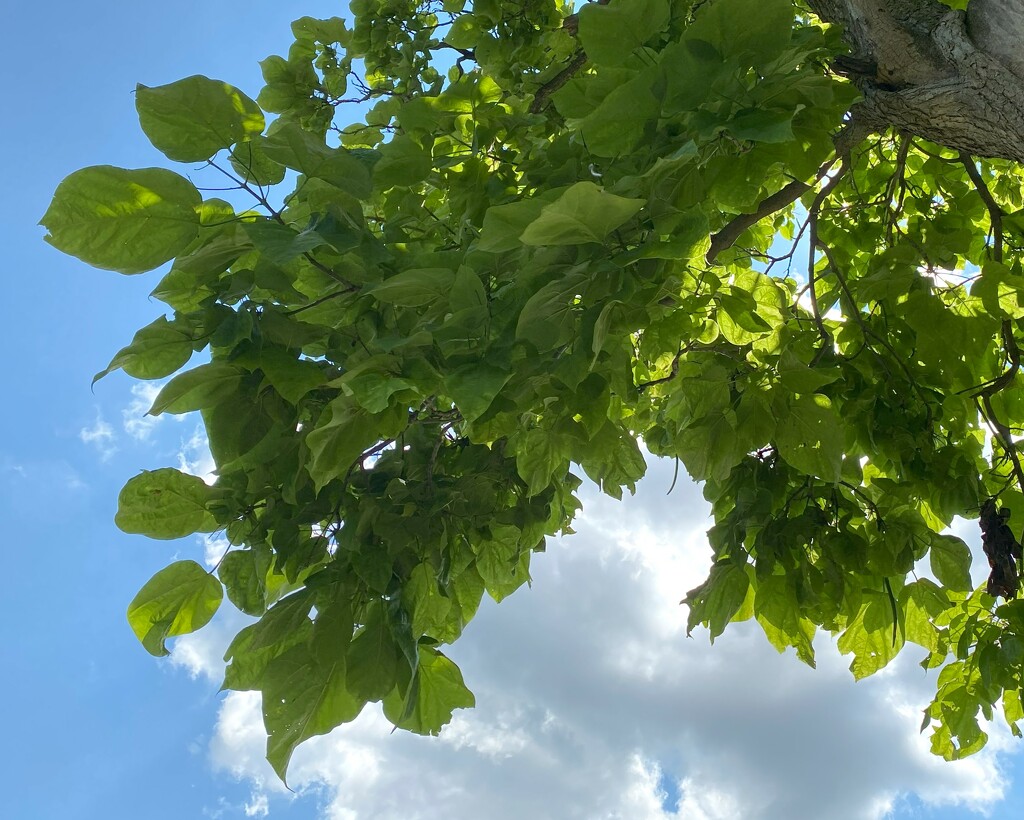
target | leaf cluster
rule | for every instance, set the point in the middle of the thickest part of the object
(503, 277)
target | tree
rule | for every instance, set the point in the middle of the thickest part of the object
(779, 243)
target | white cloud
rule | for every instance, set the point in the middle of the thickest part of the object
(136, 423)
(101, 436)
(592, 703)
(194, 456)
(259, 806)
(214, 548)
(201, 653)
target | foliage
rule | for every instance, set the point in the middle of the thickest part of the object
(551, 236)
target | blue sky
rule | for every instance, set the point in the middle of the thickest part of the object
(592, 704)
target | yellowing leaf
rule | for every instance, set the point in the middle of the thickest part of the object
(179, 599)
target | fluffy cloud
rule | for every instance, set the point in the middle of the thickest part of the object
(592, 703)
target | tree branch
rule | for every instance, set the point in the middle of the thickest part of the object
(727, 236)
(543, 96)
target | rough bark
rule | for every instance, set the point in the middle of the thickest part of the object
(953, 78)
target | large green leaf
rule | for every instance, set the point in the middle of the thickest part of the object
(179, 599)
(873, 637)
(416, 287)
(950, 560)
(611, 32)
(121, 220)
(403, 163)
(157, 350)
(584, 213)
(196, 389)
(303, 696)
(296, 148)
(763, 35)
(164, 503)
(811, 437)
(243, 574)
(777, 610)
(428, 605)
(373, 658)
(192, 119)
(437, 691)
(717, 601)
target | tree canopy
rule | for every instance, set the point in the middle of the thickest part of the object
(489, 248)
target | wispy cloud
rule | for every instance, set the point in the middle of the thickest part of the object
(136, 423)
(101, 436)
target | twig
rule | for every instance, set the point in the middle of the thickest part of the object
(813, 243)
(673, 372)
(543, 95)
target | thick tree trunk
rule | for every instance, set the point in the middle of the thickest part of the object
(954, 78)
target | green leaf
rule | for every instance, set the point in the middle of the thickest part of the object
(474, 386)
(584, 213)
(248, 665)
(303, 697)
(251, 163)
(764, 34)
(192, 119)
(504, 224)
(539, 456)
(126, 221)
(179, 599)
(810, 438)
(416, 287)
(402, 163)
(711, 448)
(610, 33)
(800, 378)
(718, 600)
(199, 388)
(164, 504)
(279, 243)
(623, 118)
(923, 601)
(342, 435)
(548, 317)
(373, 657)
(243, 573)
(288, 616)
(870, 636)
(762, 125)
(296, 148)
(293, 378)
(437, 692)
(778, 612)
(157, 350)
(950, 560)
(423, 598)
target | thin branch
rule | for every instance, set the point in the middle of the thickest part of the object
(320, 301)
(543, 95)
(673, 372)
(727, 236)
(995, 213)
(813, 243)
